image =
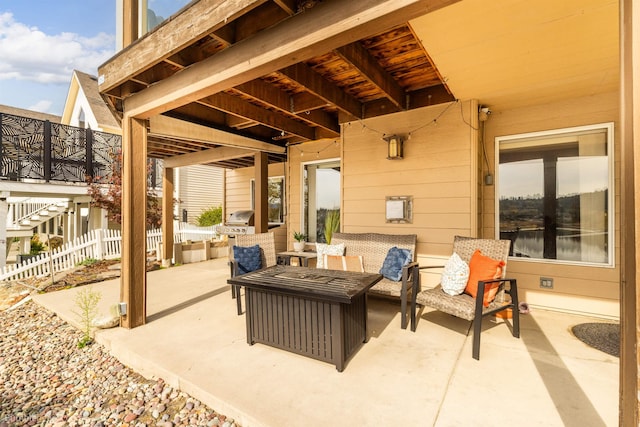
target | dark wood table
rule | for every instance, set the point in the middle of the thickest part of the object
(317, 313)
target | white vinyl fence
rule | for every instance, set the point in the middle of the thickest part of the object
(97, 244)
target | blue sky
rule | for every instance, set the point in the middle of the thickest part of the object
(43, 41)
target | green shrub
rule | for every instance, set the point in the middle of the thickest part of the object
(36, 245)
(211, 216)
(88, 261)
(87, 303)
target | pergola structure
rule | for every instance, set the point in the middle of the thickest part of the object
(234, 83)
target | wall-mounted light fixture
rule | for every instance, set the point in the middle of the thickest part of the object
(394, 147)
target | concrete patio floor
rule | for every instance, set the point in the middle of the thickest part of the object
(194, 340)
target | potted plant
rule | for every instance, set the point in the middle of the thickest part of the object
(301, 241)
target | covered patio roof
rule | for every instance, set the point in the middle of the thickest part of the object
(299, 71)
(297, 91)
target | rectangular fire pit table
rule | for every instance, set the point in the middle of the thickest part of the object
(317, 313)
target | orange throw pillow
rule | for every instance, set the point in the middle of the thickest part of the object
(484, 268)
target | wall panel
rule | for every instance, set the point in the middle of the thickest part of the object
(438, 171)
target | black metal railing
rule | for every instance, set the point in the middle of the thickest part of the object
(41, 150)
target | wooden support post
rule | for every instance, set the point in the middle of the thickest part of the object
(261, 197)
(133, 282)
(167, 216)
(129, 22)
(629, 405)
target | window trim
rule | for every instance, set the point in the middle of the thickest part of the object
(252, 183)
(302, 167)
(609, 128)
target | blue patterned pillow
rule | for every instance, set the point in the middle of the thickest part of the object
(247, 258)
(393, 263)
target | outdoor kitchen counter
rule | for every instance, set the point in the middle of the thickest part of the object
(321, 314)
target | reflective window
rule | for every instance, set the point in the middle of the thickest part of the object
(555, 194)
(321, 198)
(158, 11)
(275, 195)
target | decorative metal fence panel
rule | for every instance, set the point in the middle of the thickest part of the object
(105, 149)
(22, 142)
(68, 153)
(41, 150)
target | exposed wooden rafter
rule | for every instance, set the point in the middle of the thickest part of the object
(358, 57)
(274, 71)
(263, 92)
(237, 106)
(315, 84)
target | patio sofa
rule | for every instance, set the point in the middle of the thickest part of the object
(374, 247)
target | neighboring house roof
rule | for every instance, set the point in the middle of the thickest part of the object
(86, 86)
(29, 113)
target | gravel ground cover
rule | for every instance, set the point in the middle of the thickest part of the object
(46, 380)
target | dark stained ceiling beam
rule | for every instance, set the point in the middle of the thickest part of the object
(239, 122)
(198, 51)
(305, 101)
(226, 35)
(239, 107)
(323, 28)
(155, 74)
(323, 120)
(361, 59)
(260, 18)
(264, 92)
(416, 99)
(433, 95)
(316, 84)
(288, 6)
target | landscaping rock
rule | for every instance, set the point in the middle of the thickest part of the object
(46, 380)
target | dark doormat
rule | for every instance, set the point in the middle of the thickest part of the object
(602, 336)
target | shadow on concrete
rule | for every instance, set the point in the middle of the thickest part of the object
(187, 303)
(573, 405)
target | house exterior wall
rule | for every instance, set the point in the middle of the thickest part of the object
(438, 170)
(238, 196)
(578, 289)
(80, 104)
(199, 188)
(443, 169)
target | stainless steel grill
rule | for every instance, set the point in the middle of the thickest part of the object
(240, 222)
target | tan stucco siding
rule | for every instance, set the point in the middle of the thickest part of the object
(581, 289)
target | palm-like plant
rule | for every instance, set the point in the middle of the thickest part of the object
(331, 223)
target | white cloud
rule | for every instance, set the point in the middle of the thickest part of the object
(29, 54)
(41, 106)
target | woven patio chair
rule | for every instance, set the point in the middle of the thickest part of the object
(267, 245)
(465, 306)
(374, 247)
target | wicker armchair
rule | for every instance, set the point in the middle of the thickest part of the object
(465, 306)
(267, 245)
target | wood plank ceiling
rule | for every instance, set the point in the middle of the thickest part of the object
(383, 73)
